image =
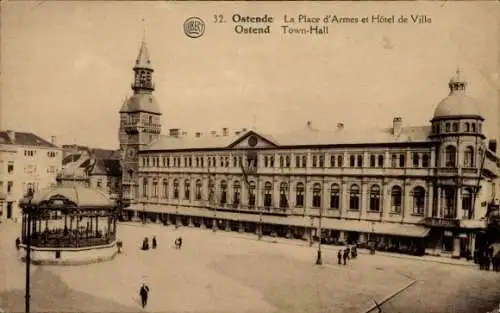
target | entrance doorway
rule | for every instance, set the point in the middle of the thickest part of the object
(9, 210)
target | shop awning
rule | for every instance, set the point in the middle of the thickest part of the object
(387, 228)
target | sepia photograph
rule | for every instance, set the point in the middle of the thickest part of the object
(250, 156)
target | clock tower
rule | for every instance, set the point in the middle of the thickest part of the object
(139, 122)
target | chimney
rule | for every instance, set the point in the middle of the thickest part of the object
(237, 133)
(492, 145)
(225, 131)
(309, 124)
(12, 135)
(243, 130)
(340, 126)
(174, 132)
(397, 125)
(53, 140)
(198, 134)
(213, 133)
(184, 134)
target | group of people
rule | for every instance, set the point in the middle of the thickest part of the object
(487, 260)
(346, 254)
(145, 243)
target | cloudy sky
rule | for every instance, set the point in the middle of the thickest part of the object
(67, 66)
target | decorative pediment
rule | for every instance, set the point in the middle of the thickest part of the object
(252, 139)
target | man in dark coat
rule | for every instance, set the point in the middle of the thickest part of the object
(18, 243)
(345, 256)
(339, 256)
(144, 294)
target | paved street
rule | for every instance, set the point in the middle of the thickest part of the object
(230, 272)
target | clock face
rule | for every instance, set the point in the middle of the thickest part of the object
(252, 141)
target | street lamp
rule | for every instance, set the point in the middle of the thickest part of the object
(27, 209)
(319, 260)
(372, 248)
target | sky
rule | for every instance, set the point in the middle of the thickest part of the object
(66, 67)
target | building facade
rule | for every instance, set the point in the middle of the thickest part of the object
(26, 162)
(101, 167)
(405, 187)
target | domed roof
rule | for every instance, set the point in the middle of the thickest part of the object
(457, 103)
(141, 102)
(82, 196)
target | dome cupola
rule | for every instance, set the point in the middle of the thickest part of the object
(457, 104)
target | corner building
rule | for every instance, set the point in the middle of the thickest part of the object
(406, 187)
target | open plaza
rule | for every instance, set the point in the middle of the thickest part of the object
(235, 272)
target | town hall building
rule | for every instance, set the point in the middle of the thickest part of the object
(423, 187)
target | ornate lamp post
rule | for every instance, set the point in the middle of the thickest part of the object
(319, 260)
(27, 210)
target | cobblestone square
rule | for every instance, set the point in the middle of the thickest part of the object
(232, 272)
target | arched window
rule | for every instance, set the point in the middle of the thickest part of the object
(375, 198)
(268, 194)
(425, 160)
(332, 161)
(198, 190)
(316, 195)
(165, 188)
(340, 161)
(335, 196)
(450, 202)
(396, 198)
(466, 203)
(145, 192)
(299, 201)
(187, 189)
(236, 193)
(283, 195)
(352, 161)
(251, 194)
(223, 192)
(469, 157)
(380, 161)
(354, 197)
(372, 161)
(360, 161)
(418, 195)
(416, 159)
(467, 127)
(176, 189)
(450, 155)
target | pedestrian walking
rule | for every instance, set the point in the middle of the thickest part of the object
(345, 256)
(154, 242)
(144, 291)
(339, 256)
(180, 242)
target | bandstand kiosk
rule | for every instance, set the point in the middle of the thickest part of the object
(69, 223)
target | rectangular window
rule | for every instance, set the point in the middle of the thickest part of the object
(402, 160)
(10, 168)
(321, 161)
(304, 161)
(10, 185)
(297, 161)
(314, 161)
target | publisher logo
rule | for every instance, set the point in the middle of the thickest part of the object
(194, 27)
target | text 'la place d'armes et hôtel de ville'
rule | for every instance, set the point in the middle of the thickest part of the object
(314, 25)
